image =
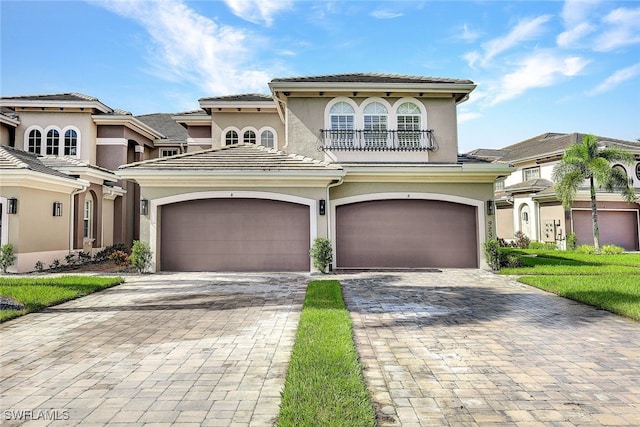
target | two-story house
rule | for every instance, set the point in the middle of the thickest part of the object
(369, 161)
(526, 200)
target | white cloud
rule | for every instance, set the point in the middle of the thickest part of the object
(468, 116)
(257, 11)
(570, 37)
(624, 29)
(467, 34)
(525, 30)
(541, 69)
(575, 12)
(385, 14)
(617, 78)
(186, 46)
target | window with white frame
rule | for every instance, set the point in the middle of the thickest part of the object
(531, 173)
(53, 142)
(249, 137)
(375, 125)
(267, 139)
(409, 117)
(231, 137)
(34, 142)
(70, 142)
(168, 152)
(342, 117)
(87, 219)
(498, 185)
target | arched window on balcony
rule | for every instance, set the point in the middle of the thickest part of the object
(375, 126)
(409, 125)
(342, 116)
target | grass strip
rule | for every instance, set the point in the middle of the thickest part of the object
(618, 293)
(324, 384)
(38, 293)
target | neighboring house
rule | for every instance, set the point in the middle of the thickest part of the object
(526, 199)
(369, 161)
(58, 191)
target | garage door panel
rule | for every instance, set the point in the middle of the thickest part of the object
(235, 235)
(406, 234)
(618, 228)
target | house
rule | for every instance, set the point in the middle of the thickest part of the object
(526, 201)
(369, 161)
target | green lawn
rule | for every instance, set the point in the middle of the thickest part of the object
(611, 282)
(38, 293)
(324, 384)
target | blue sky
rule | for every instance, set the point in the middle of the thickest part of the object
(540, 66)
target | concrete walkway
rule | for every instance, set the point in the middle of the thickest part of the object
(175, 349)
(466, 348)
(455, 348)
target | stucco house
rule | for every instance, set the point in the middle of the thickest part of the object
(526, 201)
(247, 182)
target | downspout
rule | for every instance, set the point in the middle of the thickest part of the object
(72, 213)
(333, 183)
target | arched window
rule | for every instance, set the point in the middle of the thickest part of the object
(623, 172)
(53, 142)
(375, 125)
(249, 137)
(231, 137)
(267, 139)
(70, 142)
(408, 116)
(35, 141)
(342, 117)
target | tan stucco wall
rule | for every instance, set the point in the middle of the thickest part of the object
(242, 120)
(107, 222)
(504, 219)
(5, 135)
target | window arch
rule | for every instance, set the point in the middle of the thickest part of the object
(267, 138)
(410, 120)
(53, 142)
(34, 141)
(341, 123)
(231, 137)
(70, 142)
(249, 137)
(376, 118)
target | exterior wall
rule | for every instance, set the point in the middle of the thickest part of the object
(81, 121)
(6, 135)
(504, 219)
(552, 212)
(108, 220)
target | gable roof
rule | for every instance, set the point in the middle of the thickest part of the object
(369, 78)
(166, 125)
(71, 99)
(14, 159)
(246, 97)
(240, 157)
(71, 166)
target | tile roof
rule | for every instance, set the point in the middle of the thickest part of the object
(59, 162)
(12, 158)
(240, 157)
(370, 78)
(246, 97)
(531, 185)
(163, 123)
(72, 96)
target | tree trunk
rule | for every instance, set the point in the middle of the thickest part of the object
(594, 216)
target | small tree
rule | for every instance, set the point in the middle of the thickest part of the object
(587, 161)
(140, 256)
(7, 257)
(322, 253)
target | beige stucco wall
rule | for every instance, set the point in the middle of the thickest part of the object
(242, 120)
(504, 220)
(107, 222)
(43, 119)
(5, 135)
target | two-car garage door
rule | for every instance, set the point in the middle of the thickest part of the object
(407, 233)
(234, 235)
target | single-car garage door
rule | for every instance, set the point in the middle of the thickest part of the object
(618, 228)
(234, 235)
(406, 234)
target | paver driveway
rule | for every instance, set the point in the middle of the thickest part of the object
(174, 349)
(467, 347)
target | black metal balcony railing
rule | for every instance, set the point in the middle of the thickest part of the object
(373, 140)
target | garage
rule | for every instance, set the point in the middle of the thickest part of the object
(406, 234)
(618, 228)
(235, 235)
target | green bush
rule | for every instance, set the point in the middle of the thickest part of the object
(546, 246)
(611, 250)
(512, 261)
(7, 257)
(493, 255)
(321, 253)
(140, 256)
(572, 242)
(39, 266)
(586, 249)
(521, 240)
(116, 247)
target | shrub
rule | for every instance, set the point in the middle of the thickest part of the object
(536, 245)
(612, 250)
(522, 241)
(503, 243)
(7, 257)
(104, 254)
(322, 253)
(493, 255)
(70, 259)
(119, 257)
(512, 261)
(55, 264)
(84, 256)
(586, 249)
(546, 246)
(140, 256)
(572, 242)
(39, 266)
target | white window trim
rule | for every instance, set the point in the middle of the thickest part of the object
(334, 101)
(43, 139)
(226, 130)
(273, 131)
(78, 142)
(247, 129)
(88, 218)
(423, 111)
(164, 150)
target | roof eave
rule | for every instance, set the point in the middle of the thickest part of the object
(130, 122)
(32, 103)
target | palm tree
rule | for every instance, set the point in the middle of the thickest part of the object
(586, 161)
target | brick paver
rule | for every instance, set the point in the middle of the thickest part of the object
(164, 349)
(467, 347)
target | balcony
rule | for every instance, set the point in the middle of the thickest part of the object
(374, 140)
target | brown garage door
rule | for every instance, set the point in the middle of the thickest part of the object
(234, 235)
(616, 228)
(406, 234)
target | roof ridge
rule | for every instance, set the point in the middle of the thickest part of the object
(12, 158)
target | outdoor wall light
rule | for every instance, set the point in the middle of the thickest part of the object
(57, 208)
(490, 207)
(144, 207)
(12, 206)
(322, 207)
